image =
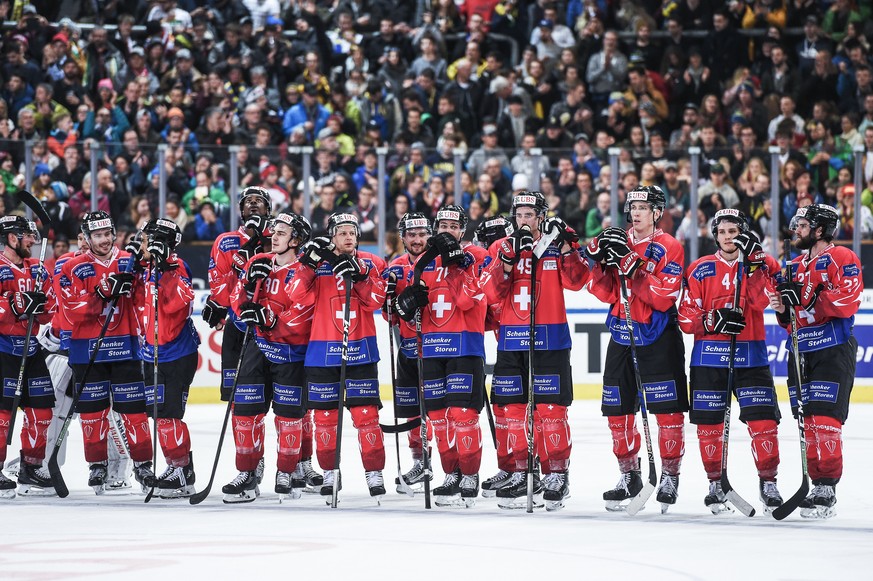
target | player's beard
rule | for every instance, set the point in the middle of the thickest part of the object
(805, 242)
(23, 251)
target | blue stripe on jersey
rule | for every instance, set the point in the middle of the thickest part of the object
(122, 348)
(281, 352)
(463, 344)
(645, 333)
(15, 345)
(548, 337)
(184, 344)
(717, 354)
(817, 337)
(329, 353)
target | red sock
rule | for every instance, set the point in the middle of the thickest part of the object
(556, 437)
(175, 441)
(35, 425)
(468, 439)
(504, 456)
(307, 434)
(824, 447)
(671, 441)
(370, 438)
(765, 447)
(625, 441)
(710, 438)
(5, 417)
(516, 418)
(139, 436)
(325, 438)
(289, 435)
(248, 436)
(95, 427)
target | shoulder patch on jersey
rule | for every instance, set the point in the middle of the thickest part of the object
(468, 260)
(124, 264)
(823, 261)
(550, 264)
(6, 273)
(672, 268)
(703, 270)
(655, 251)
(229, 243)
(486, 261)
(290, 274)
(35, 270)
(397, 270)
(84, 270)
(324, 269)
(64, 281)
(851, 270)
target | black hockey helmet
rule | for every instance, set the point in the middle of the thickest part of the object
(413, 221)
(17, 225)
(258, 192)
(451, 212)
(300, 226)
(94, 221)
(535, 200)
(338, 219)
(164, 230)
(819, 216)
(728, 215)
(493, 229)
(652, 195)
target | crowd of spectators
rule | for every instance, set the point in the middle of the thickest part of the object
(115, 80)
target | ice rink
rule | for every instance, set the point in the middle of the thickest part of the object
(118, 537)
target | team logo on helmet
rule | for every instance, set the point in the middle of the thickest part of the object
(337, 220)
(536, 200)
(452, 212)
(299, 225)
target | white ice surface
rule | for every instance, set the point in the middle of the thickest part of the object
(118, 537)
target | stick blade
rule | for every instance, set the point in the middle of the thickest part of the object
(792, 503)
(31, 202)
(639, 501)
(734, 497)
(57, 478)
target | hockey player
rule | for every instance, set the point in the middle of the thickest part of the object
(651, 261)
(329, 262)
(507, 281)
(415, 230)
(453, 352)
(177, 351)
(825, 293)
(26, 292)
(271, 374)
(708, 312)
(91, 283)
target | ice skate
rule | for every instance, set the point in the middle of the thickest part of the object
(556, 489)
(668, 491)
(179, 483)
(414, 479)
(716, 500)
(629, 485)
(490, 486)
(34, 480)
(285, 486)
(259, 471)
(327, 487)
(449, 494)
(770, 496)
(97, 478)
(243, 488)
(7, 487)
(514, 494)
(306, 478)
(143, 473)
(376, 484)
(12, 466)
(819, 503)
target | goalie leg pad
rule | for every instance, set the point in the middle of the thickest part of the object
(625, 441)
(95, 427)
(325, 438)
(289, 436)
(711, 439)
(370, 437)
(468, 439)
(671, 441)
(444, 433)
(175, 441)
(248, 436)
(139, 436)
(556, 436)
(33, 434)
(765, 447)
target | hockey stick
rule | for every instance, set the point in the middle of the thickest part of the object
(403, 487)
(738, 501)
(154, 273)
(639, 501)
(54, 468)
(347, 321)
(531, 347)
(199, 497)
(792, 503)
(429, 255)
(490, 415)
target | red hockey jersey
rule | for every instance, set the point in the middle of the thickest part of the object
(61, 325)
(321, 289)
(710, 283)
(512, 293)
(830, 320)
(87, 311)
(13, 329)
(222, 276)
(177, 336)
(652, 293)
(287, 341)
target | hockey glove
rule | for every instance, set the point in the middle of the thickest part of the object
(724, 322)
(349, 266)
(748, 244)
(24, 304)
(795, 294)
(259, 315)
(449, 248)
(160, 252)
(257, 225)
(258, 269)
(213, 313)
(511, 246)
(624, 259)
(565, 233)
(410, 300)
(317, 251)
(134, 246)
(596, 250)
(245, 253)
(115, 285)
(612, 237)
